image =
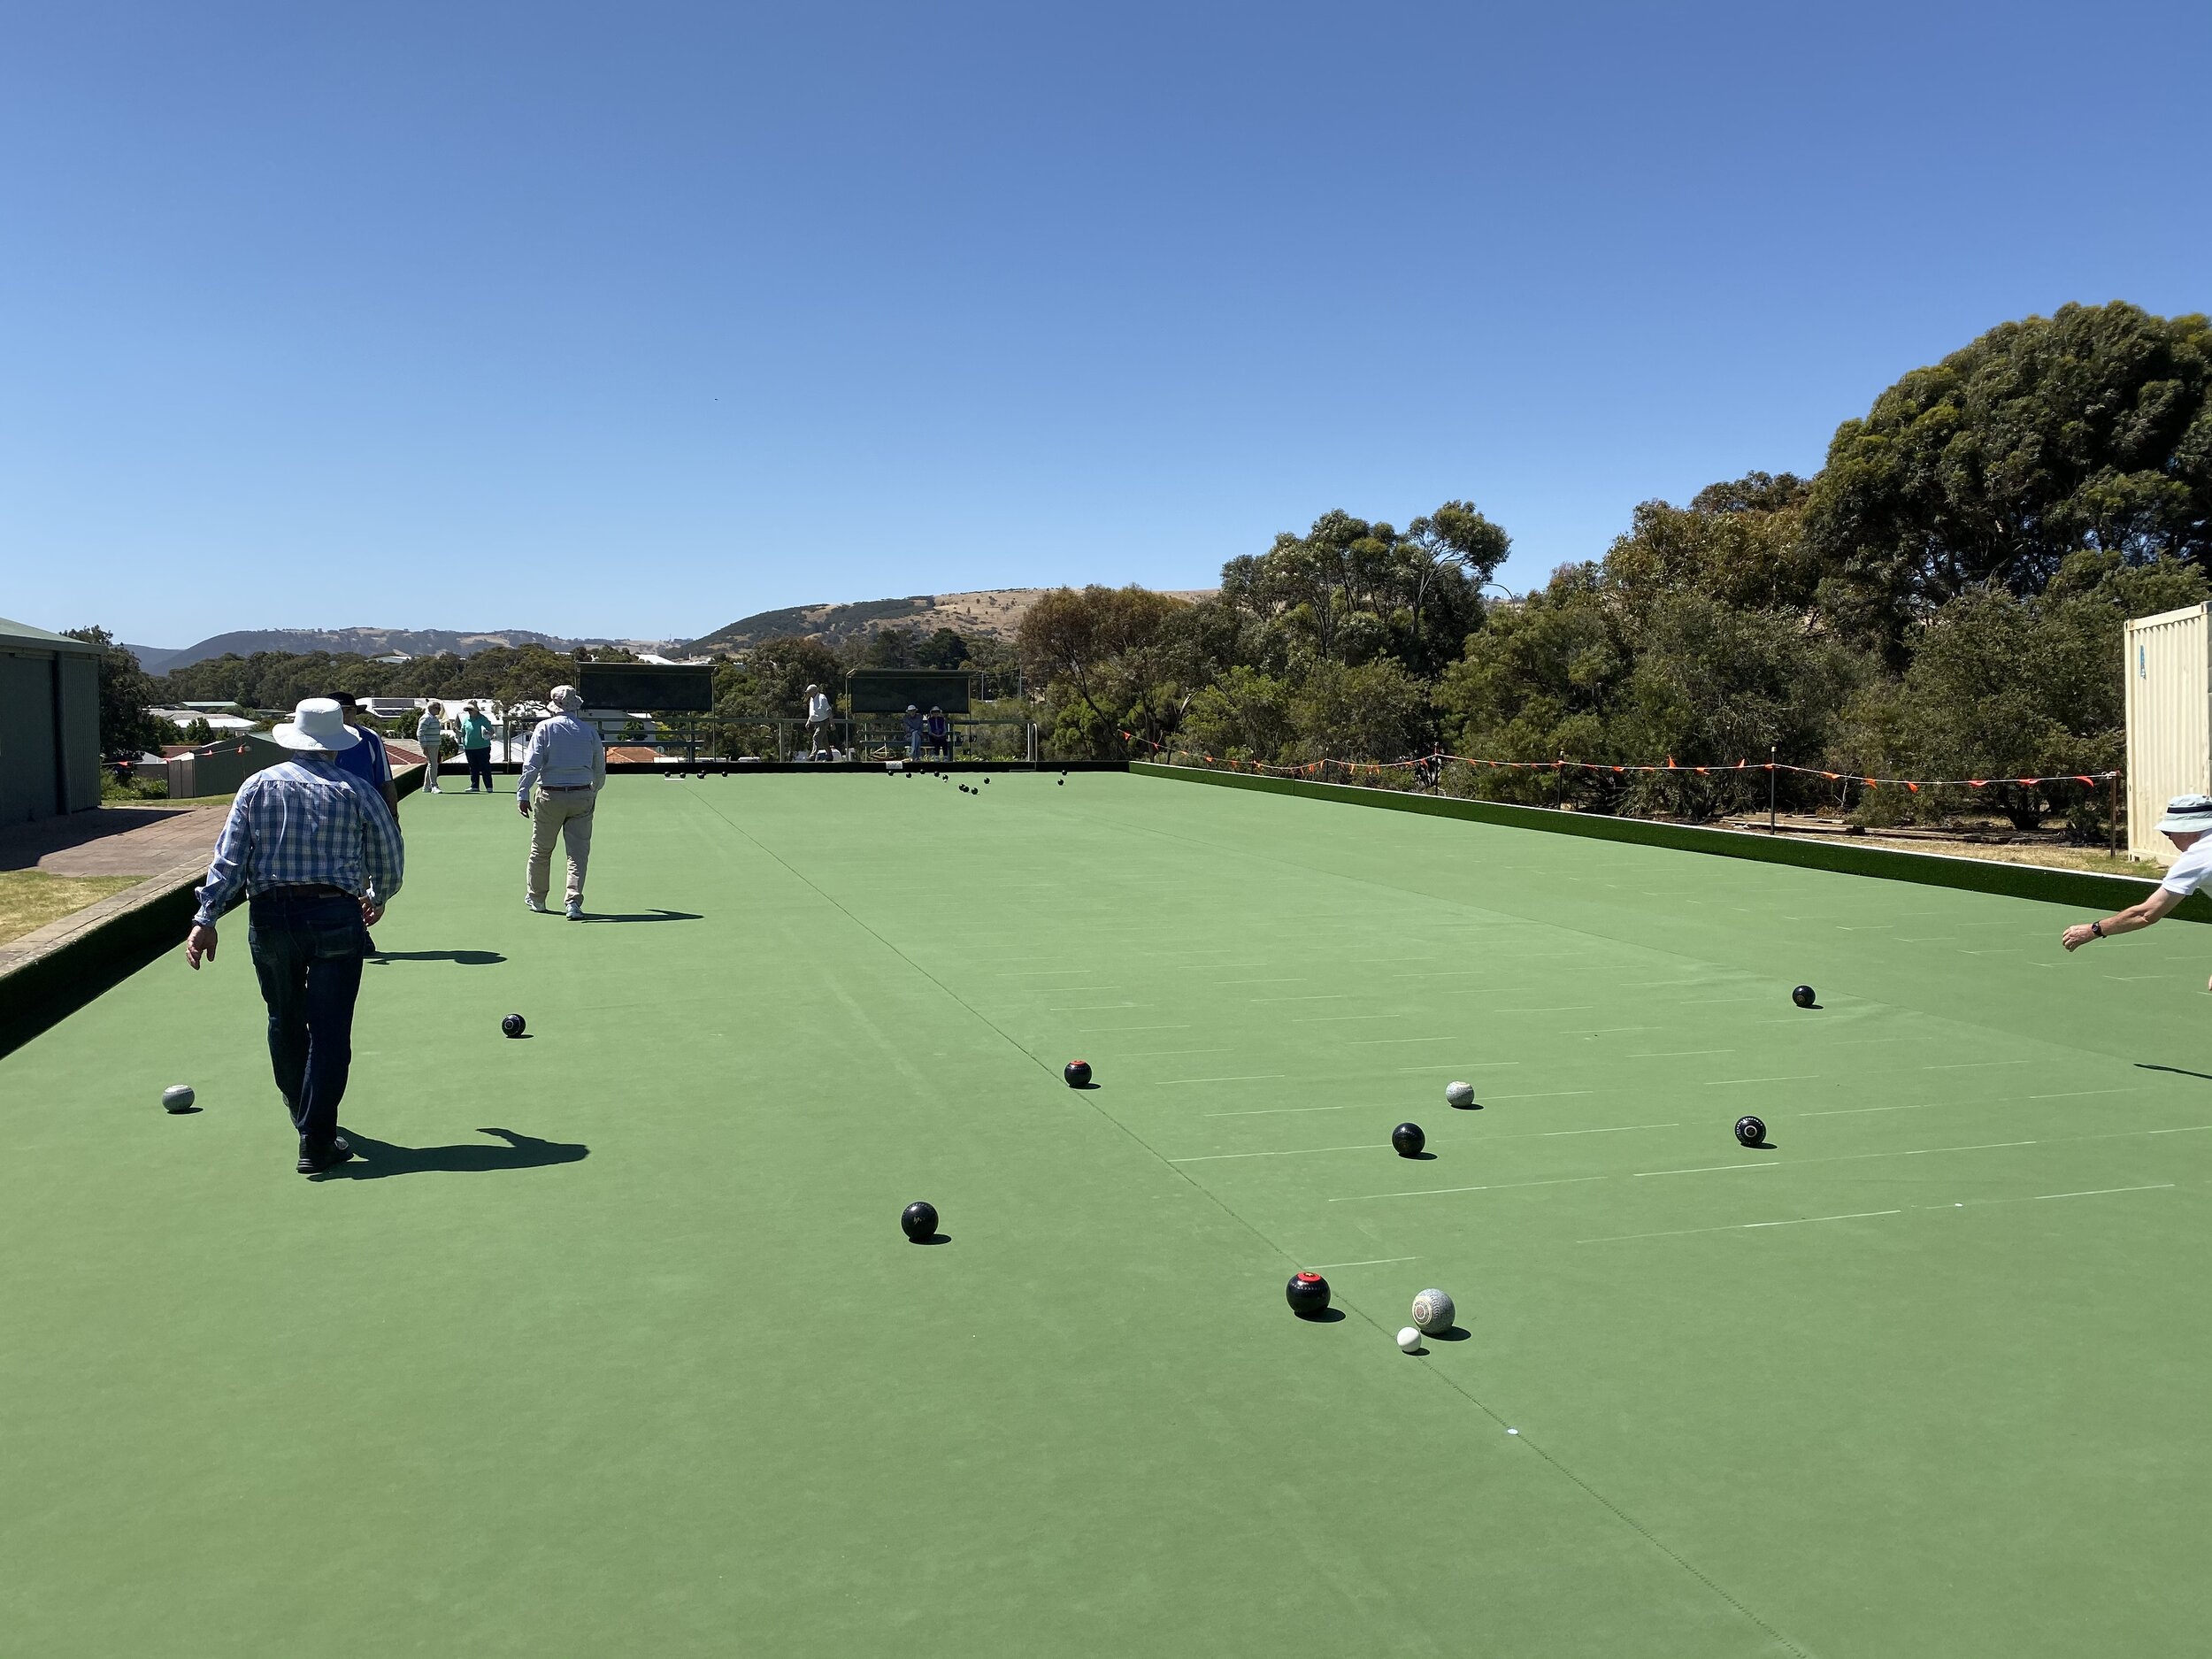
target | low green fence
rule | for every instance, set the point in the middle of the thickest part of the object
(2082, 887)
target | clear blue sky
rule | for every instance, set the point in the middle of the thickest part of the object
(630, 320)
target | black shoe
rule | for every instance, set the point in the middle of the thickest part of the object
(315, 1159)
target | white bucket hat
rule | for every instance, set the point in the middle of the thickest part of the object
(320, 723)
(2188, 813)
(567, 698)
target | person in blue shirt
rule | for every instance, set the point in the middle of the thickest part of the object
(366, 759)
(316, 857)
(913, 732)
(940, 730)
(563, 771)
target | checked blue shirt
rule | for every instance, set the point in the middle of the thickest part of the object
(304, 822)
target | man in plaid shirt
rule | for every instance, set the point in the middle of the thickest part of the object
(318, 856)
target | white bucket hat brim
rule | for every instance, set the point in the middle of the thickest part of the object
(317, 722)
(2188, 814)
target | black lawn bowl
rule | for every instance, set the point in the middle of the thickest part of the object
(918, 1221)
(1751, 1132)
(1308, 1295)
(512, 1024)
(1078, 1073)
(1804, 997)
(1407, 1141)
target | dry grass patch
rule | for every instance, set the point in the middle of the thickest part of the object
(29, 899)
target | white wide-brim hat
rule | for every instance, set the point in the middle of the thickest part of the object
(317, 722)
(567, 698)
(2188, 814)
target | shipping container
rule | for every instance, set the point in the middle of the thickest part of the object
(50, 723)
(2170, 719)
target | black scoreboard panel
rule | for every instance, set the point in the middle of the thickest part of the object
(650, 688)
(888, 690)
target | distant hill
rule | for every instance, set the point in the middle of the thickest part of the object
(362, 642)
(991, 613)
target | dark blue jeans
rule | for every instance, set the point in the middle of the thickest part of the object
(307, 951)
(479, 766)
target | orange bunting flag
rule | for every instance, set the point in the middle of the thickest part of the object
(1913, 787)
(1976, 783)
(1669, 762)
(2027, 783)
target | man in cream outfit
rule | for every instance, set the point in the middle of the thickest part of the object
(567, 764)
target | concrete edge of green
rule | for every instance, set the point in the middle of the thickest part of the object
(39, 994)
(2020, 881)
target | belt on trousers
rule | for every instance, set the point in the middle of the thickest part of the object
(304, 890)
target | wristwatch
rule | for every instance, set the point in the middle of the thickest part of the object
(2096, 930)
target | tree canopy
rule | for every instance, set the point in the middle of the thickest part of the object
(2087, 430)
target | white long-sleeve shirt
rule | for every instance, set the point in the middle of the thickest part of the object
(565, 753)
(817, 709)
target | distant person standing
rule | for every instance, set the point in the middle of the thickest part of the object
(318, 858)
(430, 733)
(476, 747)
(819, 714)
(366, 759)
(913, 732)
(940, 730)
(568, 765)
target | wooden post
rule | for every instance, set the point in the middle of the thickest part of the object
(1772, 750)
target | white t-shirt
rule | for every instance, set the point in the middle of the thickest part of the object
(817, 709)
(2192, 870)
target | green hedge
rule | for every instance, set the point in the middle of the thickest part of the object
(2079, 888)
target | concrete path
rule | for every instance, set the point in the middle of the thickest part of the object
(114, 840)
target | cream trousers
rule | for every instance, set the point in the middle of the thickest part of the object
(566, 814)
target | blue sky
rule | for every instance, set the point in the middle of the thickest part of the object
(630, 321)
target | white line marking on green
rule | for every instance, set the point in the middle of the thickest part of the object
(1288, 1152)
(1739, 1226)
(1247, 1076)
(1380, 1260)
(1707, 1169)
(1497, 1186)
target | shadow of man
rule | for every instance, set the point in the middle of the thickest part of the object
(373, 1159)
(464, 958)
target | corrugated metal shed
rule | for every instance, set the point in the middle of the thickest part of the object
(50, 723)
(2169, 674)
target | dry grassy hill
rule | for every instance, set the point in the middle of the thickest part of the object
(992, 613)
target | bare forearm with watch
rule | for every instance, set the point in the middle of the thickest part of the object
(2132, 919)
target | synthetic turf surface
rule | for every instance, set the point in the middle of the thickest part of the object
(656, 1373)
